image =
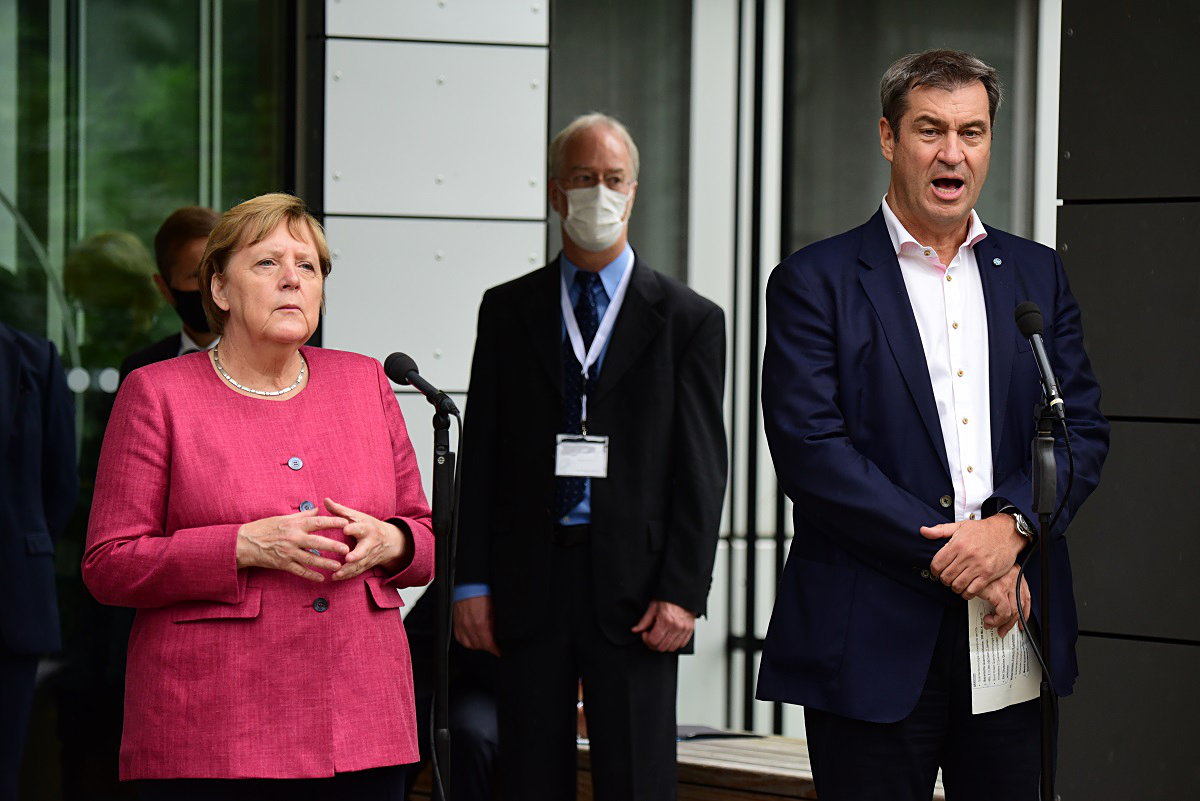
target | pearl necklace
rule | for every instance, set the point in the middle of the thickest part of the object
(264, 393)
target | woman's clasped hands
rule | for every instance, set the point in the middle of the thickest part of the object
(293, 543)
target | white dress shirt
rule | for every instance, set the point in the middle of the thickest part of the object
(947, 303)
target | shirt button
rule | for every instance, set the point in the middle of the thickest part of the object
(970, 469)
(949, 278)
(295, 463)
(307, 506)
(320, 604)
(971, 516)
(954, 326)
(945, 501)
(964, 421)
(960, 373)
(926, 251)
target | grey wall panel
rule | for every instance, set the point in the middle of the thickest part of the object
(1129, 731)
(435, 130)
(500, 21)
(1136, 543)
(1128, 82)
(1136, 272)
(415, 286)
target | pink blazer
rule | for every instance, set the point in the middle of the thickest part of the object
(254, 673)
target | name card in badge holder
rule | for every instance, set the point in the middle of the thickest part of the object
(581, 456)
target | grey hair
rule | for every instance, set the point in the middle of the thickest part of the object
(593, 119)
(940, 69)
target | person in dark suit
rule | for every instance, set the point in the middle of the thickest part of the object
(474, 727)
(178, 247)
(37, 472)
(898, 399)
(590, 505)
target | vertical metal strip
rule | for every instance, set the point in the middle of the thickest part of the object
(787, 243)
(81, 120)
(56, 179)
(754, 345)
(1024, 92)
(215, 89)
(735, 361)
(204, 102)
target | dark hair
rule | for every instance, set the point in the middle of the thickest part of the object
(940, 69)
(183, 226)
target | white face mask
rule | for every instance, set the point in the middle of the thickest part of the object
(595, 217)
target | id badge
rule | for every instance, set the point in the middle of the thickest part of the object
(583, 456)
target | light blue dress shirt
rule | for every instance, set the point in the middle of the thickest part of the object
(610, 278)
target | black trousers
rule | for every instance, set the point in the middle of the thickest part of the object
(629, 702)
(995, 756)
(376, 784)
(17, 675)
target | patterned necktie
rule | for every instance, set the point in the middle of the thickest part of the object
(569, 489)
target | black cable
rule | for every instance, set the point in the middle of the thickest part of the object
(1043, 659)
(439, 788)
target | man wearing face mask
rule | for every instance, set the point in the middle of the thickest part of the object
(178, 247)
(592, 488)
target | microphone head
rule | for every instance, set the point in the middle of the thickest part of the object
(1029, 319)
(399, 365)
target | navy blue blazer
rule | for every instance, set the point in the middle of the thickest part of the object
(40, 484)
(853, 430)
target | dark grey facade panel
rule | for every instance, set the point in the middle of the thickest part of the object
(1136, 273)
(1128, 100)
(1129, 730)
(1136, 542)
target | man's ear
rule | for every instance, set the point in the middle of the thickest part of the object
(163, 289)
(629, 203)
(887, 138)
(558, 200)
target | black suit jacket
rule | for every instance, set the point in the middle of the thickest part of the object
(37, 472)
(659, 397)
(166, 348)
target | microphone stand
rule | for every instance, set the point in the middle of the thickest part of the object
(1045, 480)
(444, 513)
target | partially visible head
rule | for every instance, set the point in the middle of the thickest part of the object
(108, 275)
(247, 225)
(593, 164)
(937, 69)
(180, 235)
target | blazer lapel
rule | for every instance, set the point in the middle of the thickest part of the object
(884, 285)
(638, 321)
(542, 314)
(996, 270)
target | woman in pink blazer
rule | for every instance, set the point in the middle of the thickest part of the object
(260, 505)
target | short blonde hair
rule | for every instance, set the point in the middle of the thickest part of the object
(247, 224)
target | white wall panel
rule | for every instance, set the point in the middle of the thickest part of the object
(415, 285)
(505, 21)
(435, 130)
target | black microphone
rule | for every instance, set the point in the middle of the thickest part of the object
(401, 368)
(1029, 321)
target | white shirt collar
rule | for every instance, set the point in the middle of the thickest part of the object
(901, 237)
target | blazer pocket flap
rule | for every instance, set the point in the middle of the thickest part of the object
(385, 597)
(249, 607)
(39, 544)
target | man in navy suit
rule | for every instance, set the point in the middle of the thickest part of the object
(37, 474)
(899, 405)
